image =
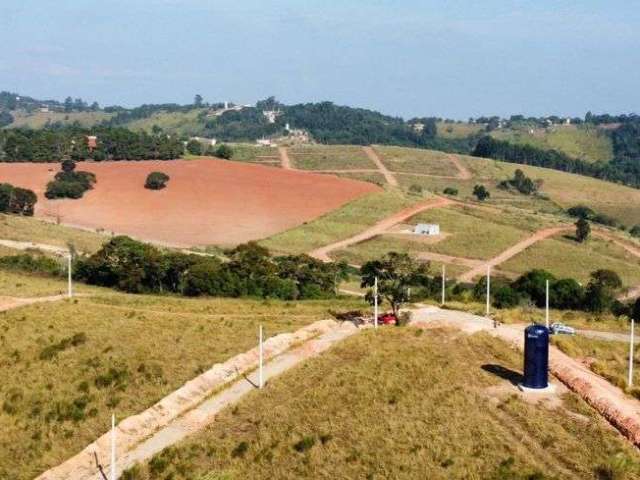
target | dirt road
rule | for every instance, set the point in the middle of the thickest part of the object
(284, 158)
(373, 156)
(463, 173)
(9, 303)
(34, 246)
(622, 411)
(379, 228)
(512, 252)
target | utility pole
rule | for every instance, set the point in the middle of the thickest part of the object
(69, 281)
(630, 379)
(375, 303)
(546, 311)
(260, 362)
(444, 284)
(488, 290)
(113, 447)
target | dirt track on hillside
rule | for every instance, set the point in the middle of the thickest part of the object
(380, 227)
(373, 156)
(207, 201)
(284, 158)
(9, 303)
(512, 252)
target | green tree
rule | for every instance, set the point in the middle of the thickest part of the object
(481, 192)
(396, 273)
(224, 151)
(635, 231)
(156, 181)
(635, 310)
(583, 230)
(197, 101)
(533, 284)
(68, 105)
(194, 147)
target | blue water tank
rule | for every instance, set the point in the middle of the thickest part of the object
(536, 357)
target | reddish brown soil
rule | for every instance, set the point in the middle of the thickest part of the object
(206, 201)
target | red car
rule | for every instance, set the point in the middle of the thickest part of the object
(387, 319)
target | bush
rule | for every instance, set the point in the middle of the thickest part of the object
(481, 192)
(506, 297)
(16, 200)
(156, 181)
(415, 189)
(450, 191)
(581, 211)
(635, 231)
(31, 264)
(224, 151)
(194, 147)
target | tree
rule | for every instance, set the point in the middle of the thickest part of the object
(583, 230)
(194, 147)
(197, 101)
(505, 297)
(224, 151)
(566, 293)
(533, 284)
(450, 191)
(581, 211)
(68, 105)
(396, 273)
(635, 231)
(68, 166)
(635, 310)
(156, 181)
(481, 192)
(600, 293)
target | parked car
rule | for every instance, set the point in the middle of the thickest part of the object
(387, 319)
(562, 329)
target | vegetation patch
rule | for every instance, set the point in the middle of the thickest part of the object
(424, 412)
(156, 181)
(319, 157)
(69, 183)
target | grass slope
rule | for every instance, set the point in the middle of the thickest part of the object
(400, 404)
(179, 123)
(320, 157)
(68, 365)
(400, 159)
(585, 142)
(343, 223)
(38, 120)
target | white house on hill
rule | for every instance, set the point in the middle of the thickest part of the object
(427, 229)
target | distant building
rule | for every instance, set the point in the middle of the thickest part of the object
(92, 142)
(265, 142)
(44, 109)
(427, 229)
(271, 115)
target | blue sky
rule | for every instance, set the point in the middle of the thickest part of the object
(411, 57)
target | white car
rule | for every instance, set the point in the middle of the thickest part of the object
(561, 328)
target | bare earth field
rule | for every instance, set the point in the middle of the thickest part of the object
(207, 201)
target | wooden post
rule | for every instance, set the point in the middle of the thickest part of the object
(488, 290)
(375, 303)
(444, 283)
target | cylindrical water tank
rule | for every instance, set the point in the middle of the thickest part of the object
(536, 357)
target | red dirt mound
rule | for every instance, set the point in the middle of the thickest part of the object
(207, 201)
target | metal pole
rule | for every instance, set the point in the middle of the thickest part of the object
(260, 377)
(630, 380)
(444, 283)
(375, 303)
(113, 447)
(70, 285)
(546, 312)
(488, 290)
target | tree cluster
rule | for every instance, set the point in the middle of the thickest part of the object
(521, 183)
(55, 145)
(247, 270)
(69, 183)
(16, 200)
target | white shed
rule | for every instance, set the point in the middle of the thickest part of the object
(427, 229)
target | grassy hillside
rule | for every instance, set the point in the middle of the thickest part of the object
(40, 119)
(123, 352)
(343, 223)
(27, 229)
(320, 157)
(180, 123)
(585, 142)
(401, 404)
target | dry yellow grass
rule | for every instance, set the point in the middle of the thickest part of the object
(402, 404)
(68, 365)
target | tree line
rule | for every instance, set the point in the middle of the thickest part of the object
(55, 145)
(247, 270)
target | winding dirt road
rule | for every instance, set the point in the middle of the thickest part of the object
(379, 228)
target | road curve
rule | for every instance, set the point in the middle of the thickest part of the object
(379, 228)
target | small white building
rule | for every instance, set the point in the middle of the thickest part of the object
(427, 229)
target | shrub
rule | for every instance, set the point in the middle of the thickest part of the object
(481, 193)
(194, 147)
(305, 444)
(224, 151)
(415, 189)
(581, 211)
(31, 264)
(635, 231)
(506, 297)
(450, 191)
(69, 183)
(16, 200)
(156, 181)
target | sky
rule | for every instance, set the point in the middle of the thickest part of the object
(453, 59)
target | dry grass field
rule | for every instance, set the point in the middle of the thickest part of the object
(400, 159)
(68, 365)
(39, 120)
(402, 404)
(323, 157)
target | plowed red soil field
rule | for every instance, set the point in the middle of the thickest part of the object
(207, 201)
